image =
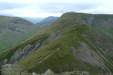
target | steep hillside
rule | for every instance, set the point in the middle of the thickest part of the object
(67, 45)
(14, 30)
(72, 50)
(48, 20)
(102, 23)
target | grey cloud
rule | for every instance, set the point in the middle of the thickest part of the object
(65, 7)
(22, 7)
(6, 5)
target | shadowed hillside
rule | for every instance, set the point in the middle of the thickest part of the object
(14, 30)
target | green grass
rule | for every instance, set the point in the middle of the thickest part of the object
(6, 54)
(14, 30)
(56, 54)
(61, 57)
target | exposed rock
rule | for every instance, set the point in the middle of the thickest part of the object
(37, 45)
(10, 69)
(55, 36)
(20, 54)
(49, 72)
(5, 61)
(34, 73)
(88, 55)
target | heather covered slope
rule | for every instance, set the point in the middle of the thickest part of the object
(14, 30)
(66, 45)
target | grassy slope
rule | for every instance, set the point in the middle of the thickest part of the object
(72, 33)
(61, 57)
(101, 22)
(104, 24)
(59, 25)
(14, 30)
(6, 54)
(57, 54)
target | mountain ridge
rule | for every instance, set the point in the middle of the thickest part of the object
(68, 44)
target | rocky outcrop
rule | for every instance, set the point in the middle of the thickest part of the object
(55, 36)
(88, 55)
(20, 54)
(49, 72)
(10, 69)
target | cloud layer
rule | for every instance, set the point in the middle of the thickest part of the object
(44, 8)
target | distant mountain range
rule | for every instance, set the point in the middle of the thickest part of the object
(33, 19)
(47, 21)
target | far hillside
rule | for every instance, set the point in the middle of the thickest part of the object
(14, 30)
(34, 20)
(47, 21)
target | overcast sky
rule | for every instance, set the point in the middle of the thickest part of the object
(45, 8)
